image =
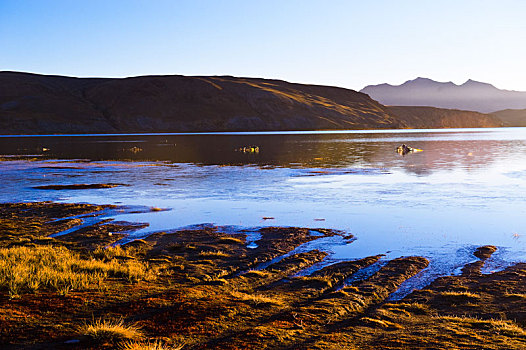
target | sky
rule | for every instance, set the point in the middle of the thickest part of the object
(343, 43)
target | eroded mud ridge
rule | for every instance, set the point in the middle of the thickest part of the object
(76, 186)
(201, 288)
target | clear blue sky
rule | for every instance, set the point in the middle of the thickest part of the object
(344, 43)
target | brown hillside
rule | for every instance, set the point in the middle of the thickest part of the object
(40, 104)
(512, 117)
(31, 103)
(431, 117)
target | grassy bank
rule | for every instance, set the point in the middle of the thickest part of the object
(204, 289)
(29, 269)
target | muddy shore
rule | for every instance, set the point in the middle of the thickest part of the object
(206, 289)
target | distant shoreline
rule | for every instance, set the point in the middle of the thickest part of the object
(290, 132)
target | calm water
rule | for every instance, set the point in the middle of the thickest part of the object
(466, 189)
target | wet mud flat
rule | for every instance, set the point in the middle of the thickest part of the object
(201, 288)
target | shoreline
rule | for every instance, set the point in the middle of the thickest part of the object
(272, 132)
(206, 289)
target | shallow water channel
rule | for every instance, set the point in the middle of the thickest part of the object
(466, 189)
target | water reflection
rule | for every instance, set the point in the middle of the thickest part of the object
(465, 189)
(468, 150)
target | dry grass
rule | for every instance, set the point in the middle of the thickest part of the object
(208, 300)
(460, 295)
(28, 269)
(256, 273)
(256, 299)
(415, 308)
(231, 240)
(111, 253)
(373, 322)
(214, 254)
(319, 282)
(508, 328)
(515, 295)
(111, 331)
(504, 327)
(155, 345)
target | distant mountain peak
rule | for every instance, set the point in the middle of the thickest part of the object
(472, 95)
(423, 79)
(431, 82)
(474, 83)
(419, 80)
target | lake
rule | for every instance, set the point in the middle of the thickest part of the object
(467, 188)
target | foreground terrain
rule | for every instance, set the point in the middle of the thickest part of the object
(205, 289)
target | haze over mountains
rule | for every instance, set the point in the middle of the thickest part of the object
(471, 96)
(41, 104)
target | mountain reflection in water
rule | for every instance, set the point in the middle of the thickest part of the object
(444, 149)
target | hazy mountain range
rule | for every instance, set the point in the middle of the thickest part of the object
(471, 96)
(42, 104)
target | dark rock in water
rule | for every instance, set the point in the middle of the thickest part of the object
(403, 149)
(485, 252)
(248, 149)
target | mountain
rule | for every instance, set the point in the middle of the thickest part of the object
(44, 104)
(512, 117)
(471, 96)
(31, 103)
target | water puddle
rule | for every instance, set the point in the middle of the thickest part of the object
(95, 218)
(449, 263)
(363, 274)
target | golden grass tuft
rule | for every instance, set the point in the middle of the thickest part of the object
(256, 273)
(217, 281)
(214, 254)
(504, 327)
(256, 299)
(231, 240)
(376, 323)
(508, 328)
(515, 295)
(150, 345)
(416, 308)
(111, 331)
(318, 282)
(460, 295)
(28, 269)
(394, 313)
(111, 253)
